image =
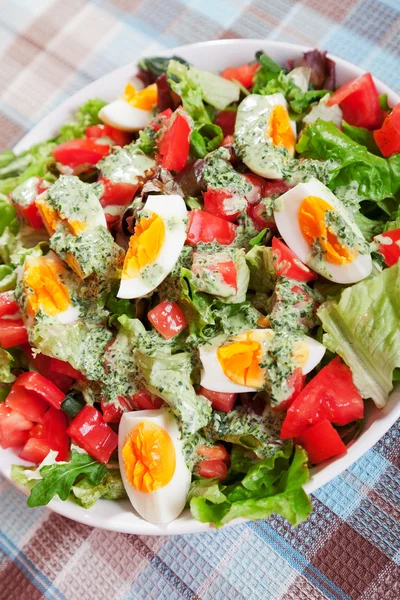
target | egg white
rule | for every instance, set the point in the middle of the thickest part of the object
(122, 115)
(286, 218)
(173, 212)
(213, 377)
(251, 135)
(166, 503)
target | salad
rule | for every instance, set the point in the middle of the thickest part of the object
(199, 288)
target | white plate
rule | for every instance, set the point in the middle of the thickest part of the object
(214, 56)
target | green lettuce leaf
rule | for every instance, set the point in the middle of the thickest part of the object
(186, 86)
(205, 139)
(86, 115)
(362, 136)
(377, 179)
(169, 378)
(58, 479)
(35, 162)
(363, 328)
(157, 65)
(7, 213)
(6, 364)
(274, 485)
(262, 272)
(110, 487)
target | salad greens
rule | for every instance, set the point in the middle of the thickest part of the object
(186, 257)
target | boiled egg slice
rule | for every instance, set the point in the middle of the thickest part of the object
(71, 202)
(155, 246)
(322, 232)
(238, 364)
(152, 464)
(43, 281)
(133, 111)
(265, 135)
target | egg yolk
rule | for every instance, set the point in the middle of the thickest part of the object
(51, 219)
(144, 99)
(312, 223)
(149, 457)
(300, 353)
(240, 361)
(280, 130)
(44, 288)
(144, 246)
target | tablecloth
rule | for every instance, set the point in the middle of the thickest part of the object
(350, 546)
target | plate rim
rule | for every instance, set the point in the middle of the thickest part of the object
(185, 524)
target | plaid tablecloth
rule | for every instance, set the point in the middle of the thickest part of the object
(350, 546)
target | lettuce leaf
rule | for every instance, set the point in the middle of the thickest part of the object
(262, 272)
(7, 213)
(6, 364)
(363, 328)
(110, 488)
(169, 378)
(377, 178)
(86, 115)
(273, 485)
(34, 162)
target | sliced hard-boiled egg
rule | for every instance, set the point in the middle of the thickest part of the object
(264, 134)
(152, 464)
(43, 280)
(71, 202)
(322, 232)
(240, 363)
(155, 246)
(133, 111)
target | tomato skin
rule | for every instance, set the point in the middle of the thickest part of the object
(41, 363)
(214, 204)
(263, 189)
(64, 368)
(174, 144)
(244, 74)
(226, 119)
(145, 400)
(211, 468)
(28, 211)
(120, 138)
(387, 137)
(218, 451)
(31, 406)
(14, 427)
(8, 305)
(204, 227)
(287, 264)
(12, 333)
(321, 442)
(111, 412)
(168, 319)
(117, 193)
(331, 395)
(81, 151)
(256, 212)
(46, 436)
(391, 251)
(359, 101)
(39, 386)
(90, 431)
(219, 400)
(35, 450)
(161, 120)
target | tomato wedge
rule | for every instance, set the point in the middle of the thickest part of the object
(244, 74)
(331, 395)
(120, 138)
(91, 432)
(24, 200)
(173, 146)
(218, 451)
(204, 227)
(168, 319)
(41, 363)
(31, 406)
(117, 193)
(215, 204)
(64, 368)
(226, 119)
(387, 137)
(39, 387)
(81, 151)
(145, 400)
(288, 265)
(211, 468)
(295, 382)
(12, 333)
(321, 442)
(219, 400)
(48, 435)
(359, 101)
(389, 246)
(14, 427)
(8, 305)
